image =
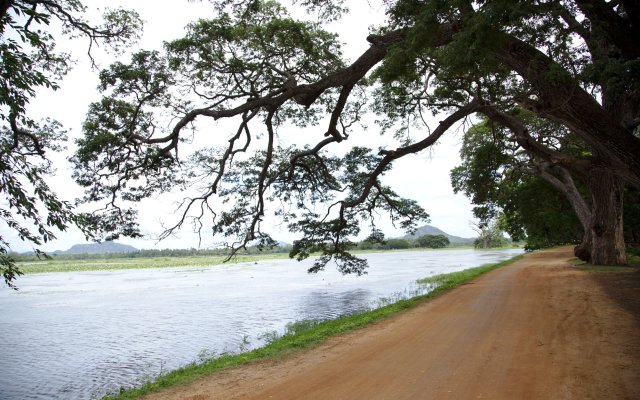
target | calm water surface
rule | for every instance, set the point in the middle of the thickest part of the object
(80, 335)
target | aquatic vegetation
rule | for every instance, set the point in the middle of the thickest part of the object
(45, 266)
(305, 334)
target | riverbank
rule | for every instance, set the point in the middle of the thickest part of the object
(114, 263)
(538, 329)
(107, 264)
(306, 334)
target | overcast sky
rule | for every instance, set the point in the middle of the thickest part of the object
(423, 177)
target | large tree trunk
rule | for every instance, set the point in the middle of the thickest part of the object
(583, 250)
(563, 181)
(561, 99)
(606, 227)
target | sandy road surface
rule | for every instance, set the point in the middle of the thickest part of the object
(538, 329)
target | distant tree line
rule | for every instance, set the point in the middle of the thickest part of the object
(424, 241)
(151, 253)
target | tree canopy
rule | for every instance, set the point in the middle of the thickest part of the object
(433, 241)
(547, 203)
(573, 64)
(29, 62)
(504, 182)
(224, 92)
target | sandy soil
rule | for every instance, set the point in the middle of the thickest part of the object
(538, 329)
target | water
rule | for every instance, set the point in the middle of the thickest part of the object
(80, 335)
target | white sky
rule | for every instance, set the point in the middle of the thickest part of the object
(423, 177)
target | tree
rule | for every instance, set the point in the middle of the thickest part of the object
(396, 244)
(501, 178)
(543, 213)
(497, 174)
(433, 241)
(632, 217)
(253, 64)
(602, 217)
(29, 62)
(490, 234)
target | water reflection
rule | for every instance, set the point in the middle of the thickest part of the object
(81, 335)
(322, 305)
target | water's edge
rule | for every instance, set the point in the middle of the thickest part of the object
(83, 334)
(306, 334)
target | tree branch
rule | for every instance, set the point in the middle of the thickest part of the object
(390, 156)
(536, 150)
(562, 99)
(568, 188)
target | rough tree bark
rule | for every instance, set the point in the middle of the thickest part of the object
(565, 184)
(606, 227)
(561, 99)
(603, 240)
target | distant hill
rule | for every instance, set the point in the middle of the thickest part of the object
(99, 248)
(432, 230)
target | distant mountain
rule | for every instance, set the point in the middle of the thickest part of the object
(99, 248)
(432, 230)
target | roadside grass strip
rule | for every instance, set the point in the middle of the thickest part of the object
(305, 334)
(633, 264)
(55, 264)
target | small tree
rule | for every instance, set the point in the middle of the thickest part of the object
(489, 235)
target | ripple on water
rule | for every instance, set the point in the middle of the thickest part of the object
(82, 335)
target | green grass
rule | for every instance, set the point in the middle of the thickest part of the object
(44, 266)
(603, 268)
(633, 262)
(98, 264)
(453, 279)
(306, 334)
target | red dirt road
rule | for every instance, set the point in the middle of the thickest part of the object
(538, 329)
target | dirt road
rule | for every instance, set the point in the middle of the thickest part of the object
(538, 329)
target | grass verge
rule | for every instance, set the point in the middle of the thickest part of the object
(306, 334)
(447, 281)
(113, 263)
(46, 266)
(633, 264)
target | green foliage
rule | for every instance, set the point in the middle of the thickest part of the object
(243, 54)
(433, 241)
(543, 213)
(154, 253)
(256, 66)
(425, 241)
(498, 177)
(29, 62)
(485, 160)
(396, 244)
(502, 178)
(632, 217)
(142, 260)
(490, 234)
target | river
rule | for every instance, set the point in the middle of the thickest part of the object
(80, 335)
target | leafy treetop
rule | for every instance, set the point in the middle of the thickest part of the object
(254, 65)
(29, 62)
